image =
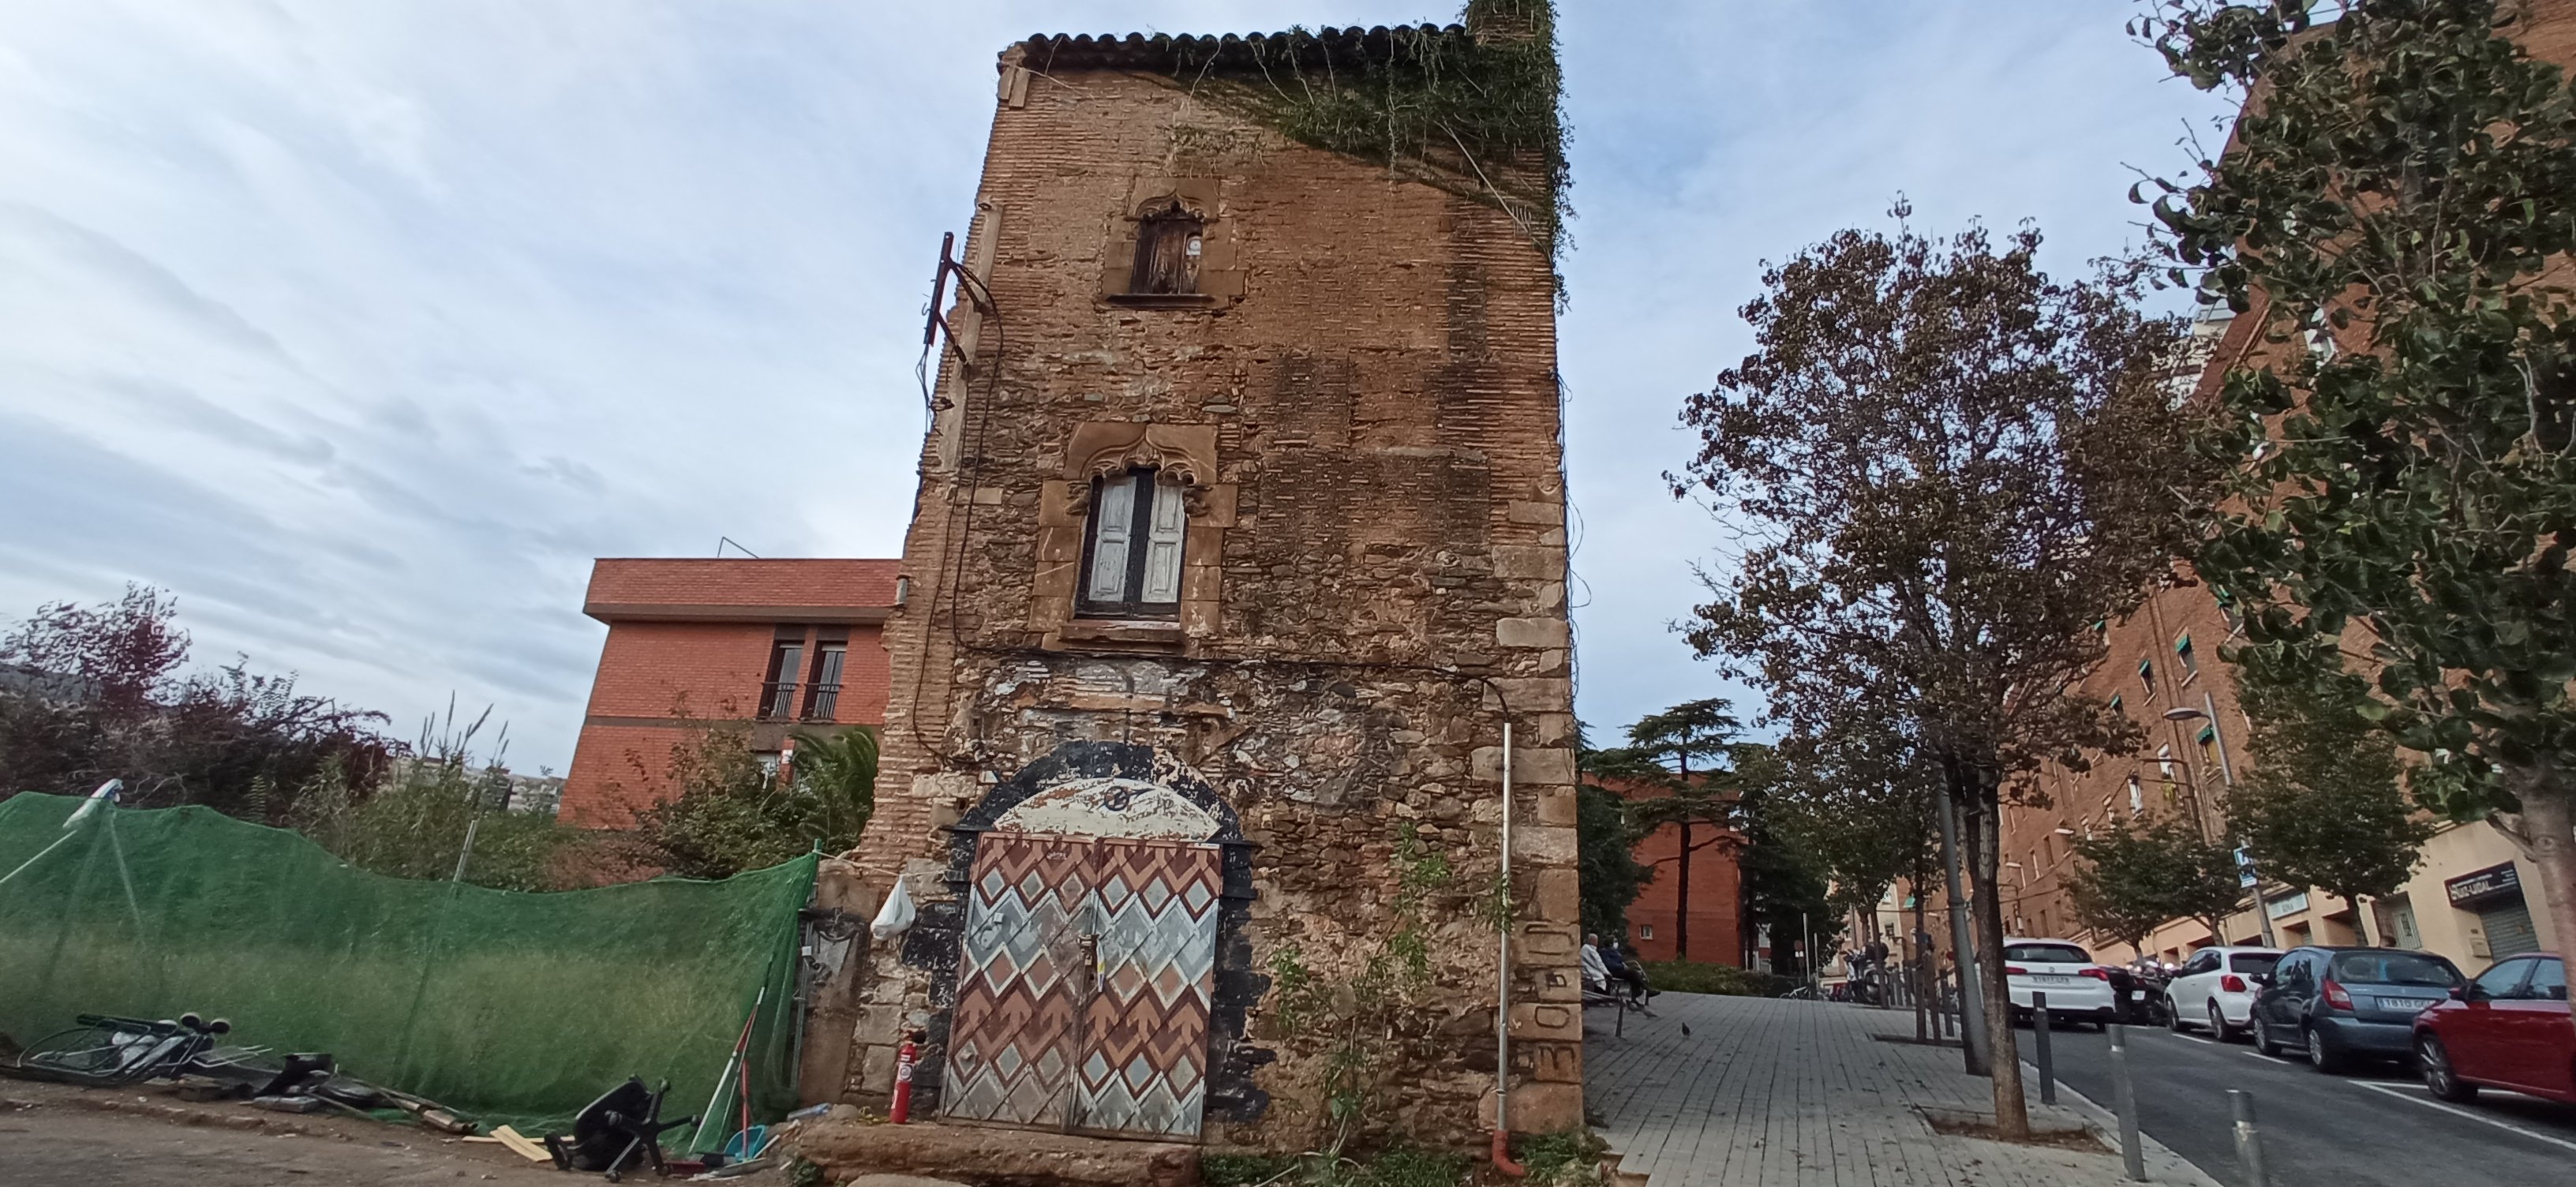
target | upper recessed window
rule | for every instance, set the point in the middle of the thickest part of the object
(786, 661)
(1169, 243)
(1131, 563)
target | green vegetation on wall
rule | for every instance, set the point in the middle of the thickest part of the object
(1480, 116)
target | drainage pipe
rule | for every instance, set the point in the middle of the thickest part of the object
(1502, 1153)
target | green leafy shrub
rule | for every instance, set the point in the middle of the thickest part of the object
(733, 814)
(1566, 1158)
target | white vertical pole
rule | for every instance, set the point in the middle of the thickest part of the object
(1503, 960)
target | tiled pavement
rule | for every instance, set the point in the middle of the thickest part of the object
(1770, 1093)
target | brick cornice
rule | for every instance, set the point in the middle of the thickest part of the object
(716, 612)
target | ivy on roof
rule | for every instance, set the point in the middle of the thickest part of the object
(1475, 110)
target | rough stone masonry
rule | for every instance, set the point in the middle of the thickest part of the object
(1139, 761)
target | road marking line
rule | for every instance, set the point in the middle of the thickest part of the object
(2406, 1094)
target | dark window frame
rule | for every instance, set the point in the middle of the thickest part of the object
(824, 677)
(1139, 536)
(1171, 245)
(778, 687)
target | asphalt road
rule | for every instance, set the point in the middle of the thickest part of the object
(2375, 1128)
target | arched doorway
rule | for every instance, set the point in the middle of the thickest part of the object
(1085, 972)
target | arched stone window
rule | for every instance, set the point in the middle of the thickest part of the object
(1170, 240)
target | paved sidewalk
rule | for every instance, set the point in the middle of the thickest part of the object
(1769, 1093)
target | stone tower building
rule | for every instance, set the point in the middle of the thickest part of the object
(1239, 544)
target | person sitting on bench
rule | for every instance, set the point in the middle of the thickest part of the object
(1623, 969)
(1596, 973)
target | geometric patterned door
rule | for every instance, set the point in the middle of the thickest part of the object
(1083, 984)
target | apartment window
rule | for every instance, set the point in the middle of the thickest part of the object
(2227, 612)
(2208, 739)
(2147, 676)
(1131, 563)
(778, 687)
(2137, 796)
(2183, 655)
(1645, 931)
(2115, 702)
(1169, 242)
(823, 690)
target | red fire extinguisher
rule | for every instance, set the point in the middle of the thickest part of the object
(901, 1111)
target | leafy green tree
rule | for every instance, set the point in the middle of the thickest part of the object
(1784, 886)
(1951, 466)
(837, 776)
(1859, 802)
(2323, 806)
(2392, 213)
(2132, 880)
(1683, 755)
(1610, 875)
(732, 814)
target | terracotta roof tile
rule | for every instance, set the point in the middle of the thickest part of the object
(1164, 51)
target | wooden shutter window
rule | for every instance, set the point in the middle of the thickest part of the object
(1132, 557)
(1162, 584)
(1113, 525)
(1169, 242)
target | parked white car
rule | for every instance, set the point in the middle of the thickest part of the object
(2215, 989)
(2077, 988)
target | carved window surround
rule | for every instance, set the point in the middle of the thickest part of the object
(1220, 275)
(1185, 455)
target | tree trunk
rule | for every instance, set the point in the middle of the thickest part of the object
(1921, 965)
(1963, 944)
(2549, 840)
(2012, 1113)
(1681, 902)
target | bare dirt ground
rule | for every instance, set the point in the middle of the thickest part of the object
(57, 1136)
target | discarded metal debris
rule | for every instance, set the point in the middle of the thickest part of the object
(109, 1052)
(103, 1051)
(617, 1132)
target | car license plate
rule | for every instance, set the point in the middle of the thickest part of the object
(2408, 1004)
(2050, 979)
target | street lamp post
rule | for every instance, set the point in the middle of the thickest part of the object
(2227, 771)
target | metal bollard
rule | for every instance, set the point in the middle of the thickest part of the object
(2124, 1098)
(2249, 1144)
(2040, 1025)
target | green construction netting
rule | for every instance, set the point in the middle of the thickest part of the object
(504, 1006)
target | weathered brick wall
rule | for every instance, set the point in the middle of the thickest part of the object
(1376, 566)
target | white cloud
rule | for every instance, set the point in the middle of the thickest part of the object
(363, 328)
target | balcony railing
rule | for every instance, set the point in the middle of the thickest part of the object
(821, 700)
(778, 700)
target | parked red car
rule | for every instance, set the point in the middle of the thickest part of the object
(2506, 1029)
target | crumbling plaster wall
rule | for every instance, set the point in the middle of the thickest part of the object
(1376, 575)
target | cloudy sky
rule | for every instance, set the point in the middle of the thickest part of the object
(362, 325)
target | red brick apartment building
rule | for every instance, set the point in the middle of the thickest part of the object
(2465, 900)
(1712, 923)
(785, 644)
